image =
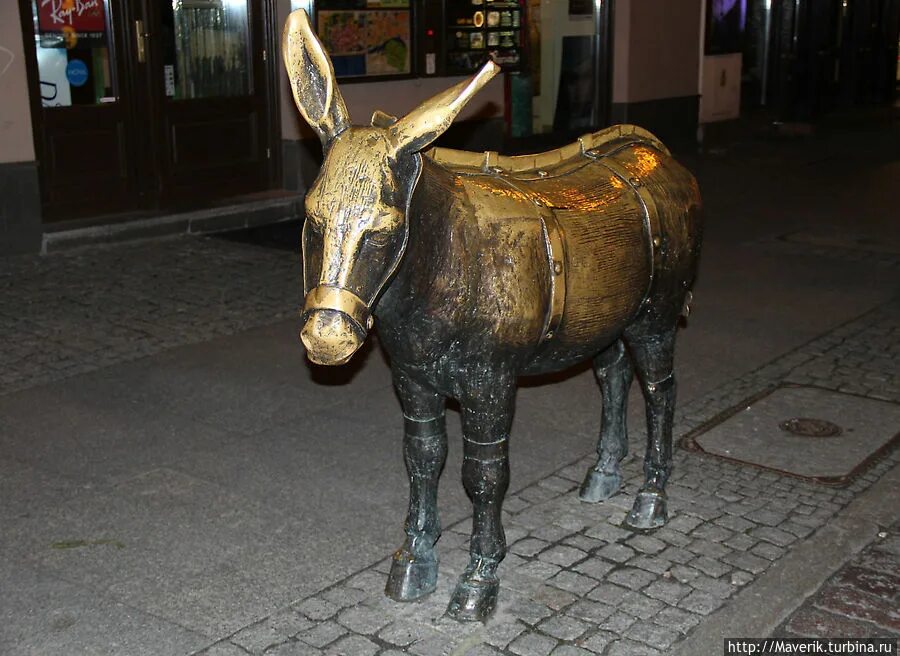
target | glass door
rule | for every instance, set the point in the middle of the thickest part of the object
(207, 64)
(89, 160)
(151, 104)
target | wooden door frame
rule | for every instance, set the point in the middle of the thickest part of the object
(126, 48)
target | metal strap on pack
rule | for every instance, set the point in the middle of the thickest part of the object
(556, 255)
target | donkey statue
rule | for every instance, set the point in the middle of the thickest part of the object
(480, 268)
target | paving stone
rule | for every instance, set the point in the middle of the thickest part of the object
(583, 542)
(607, 532)
(552, 597)
(598, 641)
(676, 555)
(344, 597)
(403, 633)
(608, 593)
(700, 602)
(741, 578)
(710, 566)
(532, 644)
(767, 551)
(618, 622)
(501, 633)
(272, 631)
(631, 577)
(526, 610)
(592, 611)
(646, 544)
(766, 517)
(639, 605)
(553, 532)
(293, 648)
(617, 553)
(650, 564)
(652, 634)
(708, 549)
(740, 542)
(711, 532)
(563, 627)
(481, 650)
(677, 618)
(538, 570)
(774, 535)
(575, 583)
(683, 523)
(353, 645)
(721, 588)
(630, 648)
(562, 555)
(746, 561)
(322, 634)
(361, 619)
(223, 648)
(570, 650)
(667, 590)
(595, 568)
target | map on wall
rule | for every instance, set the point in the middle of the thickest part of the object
(368, 42)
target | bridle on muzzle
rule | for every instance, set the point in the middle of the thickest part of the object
(329, 297)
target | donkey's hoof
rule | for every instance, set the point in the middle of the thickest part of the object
(411, 577)
(649, 511)
(599, 485)
(473, 600)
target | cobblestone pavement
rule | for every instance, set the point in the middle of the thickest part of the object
(573, 585)
(76, 312)
(862, 600)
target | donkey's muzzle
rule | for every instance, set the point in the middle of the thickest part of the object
(336, 322)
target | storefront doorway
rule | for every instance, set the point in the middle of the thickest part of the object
(150, 104)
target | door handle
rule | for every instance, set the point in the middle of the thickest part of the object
(140, 38)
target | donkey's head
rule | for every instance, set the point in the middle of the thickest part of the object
(356, 210)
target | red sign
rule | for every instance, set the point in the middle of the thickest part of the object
(82, 16)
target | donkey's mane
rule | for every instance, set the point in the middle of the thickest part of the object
(601, 143)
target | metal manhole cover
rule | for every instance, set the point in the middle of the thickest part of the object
(753, 433)
(807, 427)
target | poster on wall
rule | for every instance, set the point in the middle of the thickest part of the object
(67, 23)
(366, 38)
(726, 23)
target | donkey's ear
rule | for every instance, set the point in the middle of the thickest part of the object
(312, 78)
(429, 120)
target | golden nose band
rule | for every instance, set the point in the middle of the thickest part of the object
(326, 297)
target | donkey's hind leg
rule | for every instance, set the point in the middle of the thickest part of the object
(414, 566)
(653, 354)
(614, 372)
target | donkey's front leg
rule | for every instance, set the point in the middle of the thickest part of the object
(414, 567)
(486, 423)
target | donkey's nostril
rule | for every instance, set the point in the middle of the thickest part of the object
(330, 337)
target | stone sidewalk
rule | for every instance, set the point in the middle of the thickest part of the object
(575, 582)
(574, 586)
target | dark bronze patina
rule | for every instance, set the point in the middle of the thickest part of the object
(480, 268)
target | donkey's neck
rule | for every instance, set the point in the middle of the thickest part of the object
(406, 311)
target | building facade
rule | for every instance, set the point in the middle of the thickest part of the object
(118, 110)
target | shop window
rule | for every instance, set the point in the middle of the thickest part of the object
(72, 39)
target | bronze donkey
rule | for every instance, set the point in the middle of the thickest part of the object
(481, 268)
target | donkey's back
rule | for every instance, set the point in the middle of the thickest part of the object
(619, 219)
